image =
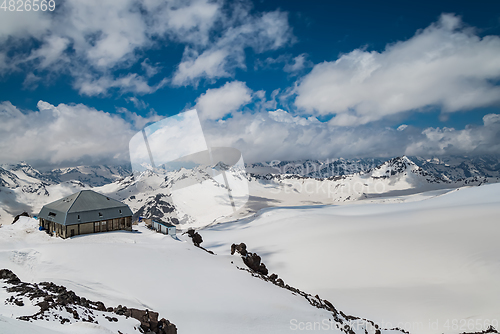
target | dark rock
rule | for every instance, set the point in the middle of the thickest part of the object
(195, 237)
(241, 248)
(44, 306)
(100, 306)
(148, 319)
(16, 218)
(166, 327)
(9, 276)
(58, 297)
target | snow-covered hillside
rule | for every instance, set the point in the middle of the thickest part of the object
(418, 265)
(197, 291)
(429, 266)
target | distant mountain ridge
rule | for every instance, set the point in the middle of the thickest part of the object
(453, 168)
(23, 188)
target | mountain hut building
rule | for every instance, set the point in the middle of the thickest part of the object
(85, 212)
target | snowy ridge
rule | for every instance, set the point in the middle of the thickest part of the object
(396, 177)
(460, 168)
(23, 188)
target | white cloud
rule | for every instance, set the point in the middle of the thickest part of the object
(138, 122)
(491, 119)
(210, 64)
(218, 102)
(138, 103)
(266, 136)
(151, 70)
(74, 134)
(448, 141)
(183, 21)
(31, 81)
(282, 116)
(279, 135)
(298, 64)
(92, 85)
(66, 134)
(268, 31)
(445, 65)
(92, 40)
(402, 127)
(23, 24)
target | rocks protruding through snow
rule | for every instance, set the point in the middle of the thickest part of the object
(149, 320)
(51, 297)
(490, 329)
(9, 276)
(195, 236)
(252, 260)
(16, 218)
(346, 323)
(197, 239)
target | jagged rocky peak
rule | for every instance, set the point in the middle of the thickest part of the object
(221, 166)
(393, 166)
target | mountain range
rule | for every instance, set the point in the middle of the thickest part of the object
(283, 183)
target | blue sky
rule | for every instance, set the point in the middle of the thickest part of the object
(276, 79)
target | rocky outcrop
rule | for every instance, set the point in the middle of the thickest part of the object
(9, 276)
(343, 321)
(490, 329)
(149, 320)
(252, 260)
(197, 239)
(16, 218)
(51, 297)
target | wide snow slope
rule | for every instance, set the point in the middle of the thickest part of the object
(197, 291)
(407, 263)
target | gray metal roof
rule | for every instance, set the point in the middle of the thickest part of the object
(83, 207)
(163, 223)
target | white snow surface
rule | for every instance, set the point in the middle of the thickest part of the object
(197, 291)
(419, 265)
(399, 264)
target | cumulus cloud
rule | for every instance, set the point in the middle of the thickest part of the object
(268, 31)
(448, 141)
(218, 102)
(66, 134)
(21, 24)
(270, 135)
(445, 65)
(93, 40)
(76, 134)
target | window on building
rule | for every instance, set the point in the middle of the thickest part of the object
(120, 211)
(100, 214)
(52, 214)
(78, 217)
